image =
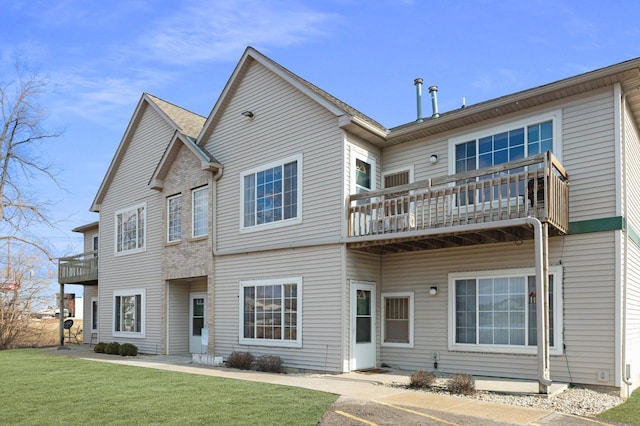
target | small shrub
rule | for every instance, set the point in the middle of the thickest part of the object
(270, 364)
(422, 379)
(99, 347)
(112, 348)
(128, 349)
(462, 384)
(240, 360)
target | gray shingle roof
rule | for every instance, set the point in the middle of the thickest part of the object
(188, 122)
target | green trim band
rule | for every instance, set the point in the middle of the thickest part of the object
(615, 223)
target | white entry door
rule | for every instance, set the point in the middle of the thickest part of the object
(197, 321)
(363, 325)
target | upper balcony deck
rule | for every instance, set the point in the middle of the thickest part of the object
(474, 207)
(79, 269)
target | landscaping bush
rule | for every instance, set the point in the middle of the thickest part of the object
(462, 384)
(112, 348)
(128, 349)
(421, 379)
(99, 347)
(270, 364)
(240, 360)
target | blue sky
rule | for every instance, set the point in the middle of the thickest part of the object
(101, 56)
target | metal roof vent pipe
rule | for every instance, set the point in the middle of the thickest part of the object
(433, 90)
(418, 83)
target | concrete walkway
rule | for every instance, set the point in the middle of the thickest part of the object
(368, 387)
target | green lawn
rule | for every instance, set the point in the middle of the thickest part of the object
(629, 412)
(39, 388)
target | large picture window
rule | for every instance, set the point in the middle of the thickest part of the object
(200, 212)
(174, 218)
(271, 194)
(500, 145)
(128, 313)
(496, 311)
(397, 314)
(270, 312)
(130, 229)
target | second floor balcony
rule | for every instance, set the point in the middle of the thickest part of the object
(474, 207)
(79, 269)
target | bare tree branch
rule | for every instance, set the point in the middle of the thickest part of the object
(21, 133)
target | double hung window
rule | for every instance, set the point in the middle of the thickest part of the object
(174, 219)
(270, 312)
(130, 229)
(271, 194)
(496, 311)
(128, 313)
(200, 212)
(397, 314)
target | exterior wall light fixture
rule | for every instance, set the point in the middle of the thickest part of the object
(247, 113)
(433, 159)
(433, 291)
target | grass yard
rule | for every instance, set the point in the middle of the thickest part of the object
(629, 412)
(36, 388)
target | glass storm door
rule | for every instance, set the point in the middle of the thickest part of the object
(197, 321)
(363, 322)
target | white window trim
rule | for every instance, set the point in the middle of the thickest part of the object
(92, 301)
(144, 230)
(266, 342)
(555, 116)
(556, 349)
(193, 211)
(399, 294)
(285, 222)
(130, 292)
(168, 219)
(367, 158)
(95, 242)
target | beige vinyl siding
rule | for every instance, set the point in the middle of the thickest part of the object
(140, 270)
(632, 151)
(178, 318)
(321, 308)
(589, 156)
(87, 293)
(632, 267)
(588, 153)
(588, 299)
(417, 154)
(633, 316)
(286, 123)
(88, 239)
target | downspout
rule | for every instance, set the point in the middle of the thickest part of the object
(542, 277)
(625, 254)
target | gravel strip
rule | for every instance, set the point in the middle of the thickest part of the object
(576, 401)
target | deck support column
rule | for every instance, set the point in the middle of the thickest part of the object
(541, 235)
(61, 316)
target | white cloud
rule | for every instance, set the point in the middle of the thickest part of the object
(218, 30)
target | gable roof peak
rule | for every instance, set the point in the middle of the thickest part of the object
(185, 121)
